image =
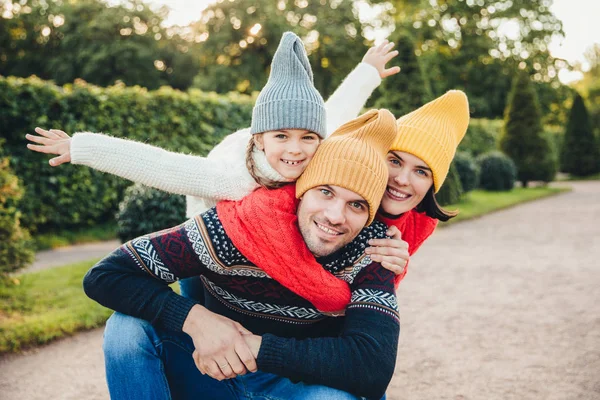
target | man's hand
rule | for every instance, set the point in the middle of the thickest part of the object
(378, 56)
(253, 342)
(51, 142)
(220, 348)
(391, 253)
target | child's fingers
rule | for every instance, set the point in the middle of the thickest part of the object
(381, 45)
(60, 133)
(41, 149)
(388, 47)
(39, 139)
(46, 133)
(60, 160)
(390, 72)
(390, 55)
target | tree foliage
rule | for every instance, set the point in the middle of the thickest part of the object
(522, 137)
(580, 154)
(239, 39)
(91, 40)
(410, 89)
(462, 46)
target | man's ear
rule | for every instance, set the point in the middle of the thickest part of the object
(259, 141)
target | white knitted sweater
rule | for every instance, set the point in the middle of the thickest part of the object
(222, 175)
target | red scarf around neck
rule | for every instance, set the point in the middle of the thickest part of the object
(263, 226)
(415, 228)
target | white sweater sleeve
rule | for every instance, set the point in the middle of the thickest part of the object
(177, 173)
(350, 97)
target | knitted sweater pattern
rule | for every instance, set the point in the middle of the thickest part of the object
(201, 246)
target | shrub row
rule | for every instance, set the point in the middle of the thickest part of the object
(69, 196)
(16, 249)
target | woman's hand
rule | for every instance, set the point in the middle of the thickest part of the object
(391, 253)
(378, 56)
(53, 141)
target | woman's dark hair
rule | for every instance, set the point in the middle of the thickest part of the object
(431, 208)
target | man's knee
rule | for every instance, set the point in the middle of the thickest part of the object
(126, 338)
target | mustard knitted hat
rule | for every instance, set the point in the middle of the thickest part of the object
(353, 157)
(433, 131)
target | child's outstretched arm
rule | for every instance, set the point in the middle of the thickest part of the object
(217, 179)
(354, 91)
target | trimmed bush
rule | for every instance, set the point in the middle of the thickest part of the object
(522, 138)
(16, 249)
(146, 210)
(497, 171)
(468, 171)
(580, 154)
(75, 196)
(482, 136)
(451, 190)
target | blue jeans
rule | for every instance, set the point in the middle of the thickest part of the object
(146, 363)
(192, 288)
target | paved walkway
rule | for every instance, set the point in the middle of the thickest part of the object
(504, 307)
(71, 254)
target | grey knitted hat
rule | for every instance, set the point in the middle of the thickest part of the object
(289, 100)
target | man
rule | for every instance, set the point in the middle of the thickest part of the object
(256, 316)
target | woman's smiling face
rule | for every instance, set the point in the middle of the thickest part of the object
(409, 180)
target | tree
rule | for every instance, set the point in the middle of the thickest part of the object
(410, 89)
(465, 45)
(91, 40)
(522, 137)
(580, 154)
(239, 38)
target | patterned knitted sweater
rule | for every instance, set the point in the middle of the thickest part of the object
(223, 174)
(355, 353)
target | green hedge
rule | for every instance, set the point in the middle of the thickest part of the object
(16, 250)
(69, 196)
(482, 136)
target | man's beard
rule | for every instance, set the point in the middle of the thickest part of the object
(318, 247)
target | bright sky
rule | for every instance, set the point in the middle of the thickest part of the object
(580, 23)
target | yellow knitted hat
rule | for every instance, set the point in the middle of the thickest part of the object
(433, 131)
(353, 157)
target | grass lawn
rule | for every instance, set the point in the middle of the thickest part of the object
(49, 304)
(479, 202)
(67, 237)
(46, 305)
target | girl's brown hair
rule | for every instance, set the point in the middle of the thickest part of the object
(264, 182)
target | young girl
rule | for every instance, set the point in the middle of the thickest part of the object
(288, 124)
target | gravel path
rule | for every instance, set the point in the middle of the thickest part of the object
(503, 307)
(71, 254)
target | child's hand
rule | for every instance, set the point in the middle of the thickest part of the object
(52, 142)
(378, 56)
(391, 253)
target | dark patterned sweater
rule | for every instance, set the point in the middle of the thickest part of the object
(355, 353)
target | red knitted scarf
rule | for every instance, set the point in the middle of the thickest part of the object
(263, 226)
(415, 228)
